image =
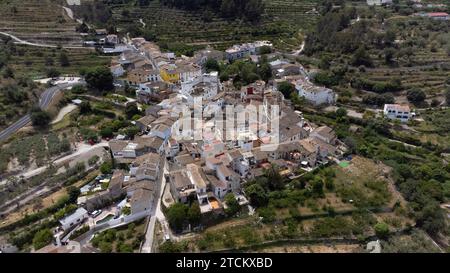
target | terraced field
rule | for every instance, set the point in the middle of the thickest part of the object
(427, 68)
(281, 23)
(34, 61)
(38, 21)
(430, 80)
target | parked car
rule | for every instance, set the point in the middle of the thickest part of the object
(96, 213)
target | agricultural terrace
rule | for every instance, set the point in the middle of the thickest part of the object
(37, 62)
(282, 22)
(39, 21)
(376, 55)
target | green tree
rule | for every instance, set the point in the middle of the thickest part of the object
(341, 112)
(233, 206)
(105, 247)
(317, 187)
(131, 110)
(63, 59)
(265, 50)
(381, 230)
(275, 179)
(73, 193)
(212, 65)
(286, 88)
(85, 107)
(106, 132)
(78, 89)
(125, 248)
(53, 72)
(415, 95)
(176, 215)
(361, 57)
(42, 238)
(194, 214)
(170, 247)
(131, 131)
(39, 118)
(264, 70)
(99, 78)
(431, 218)
(257, 195)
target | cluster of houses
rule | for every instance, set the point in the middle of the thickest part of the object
(207, 169)
(217, 164)
(155, 74)
(314, 94)
(138, 185)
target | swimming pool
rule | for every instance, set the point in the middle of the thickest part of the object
(105, 219)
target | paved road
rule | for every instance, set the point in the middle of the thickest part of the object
(147, 247)
(23, 42)
(44, 102)
(15, 127)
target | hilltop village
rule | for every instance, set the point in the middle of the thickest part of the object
(287, 126)
(209, 169)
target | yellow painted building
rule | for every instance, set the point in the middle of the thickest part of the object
(170, 74)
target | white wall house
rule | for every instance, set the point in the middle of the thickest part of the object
(161, 130)
(241, 51)
(397, 112)
(145, 88)
(117, 70)
(315, 94)
(75, 218)
(189, 72)
(206, 85)
(378, 2)
(130, 150)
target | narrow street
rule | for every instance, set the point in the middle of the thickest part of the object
(156, 213)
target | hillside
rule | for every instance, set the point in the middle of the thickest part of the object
(282, 21)
(39, 21)
(361, 51)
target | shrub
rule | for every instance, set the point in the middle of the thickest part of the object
(42, 238)
(415, 95)
(381, 230)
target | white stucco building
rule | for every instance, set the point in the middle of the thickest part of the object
(75, 218)
(378, 2)
(206, 86)
(240, 51)
(397, 112)
(315, 94)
